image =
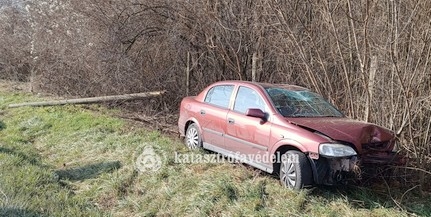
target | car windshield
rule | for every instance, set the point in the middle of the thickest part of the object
(302, 103)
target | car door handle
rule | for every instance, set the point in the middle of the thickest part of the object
(230, 120)
(203, 112)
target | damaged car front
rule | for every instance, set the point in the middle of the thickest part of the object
(349, 146)
(352, 146)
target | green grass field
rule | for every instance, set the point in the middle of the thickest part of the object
(75, 161)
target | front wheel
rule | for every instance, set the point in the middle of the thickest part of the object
(295, 170)
(193, 138)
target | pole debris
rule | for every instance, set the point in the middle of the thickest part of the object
(90, 100)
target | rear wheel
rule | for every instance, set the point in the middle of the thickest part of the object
(193, 138)
(295, 171)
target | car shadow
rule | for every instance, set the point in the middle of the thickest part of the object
(376, 194)
(2, 125)
(87, 171)
(12, 212)
(30, 159)
(371, 193)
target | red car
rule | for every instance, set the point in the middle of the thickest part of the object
(283, 129)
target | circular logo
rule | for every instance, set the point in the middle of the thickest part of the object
(149, 160)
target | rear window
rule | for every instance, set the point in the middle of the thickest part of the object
(219, 95)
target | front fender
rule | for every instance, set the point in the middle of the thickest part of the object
(288, 142)
(300, 147)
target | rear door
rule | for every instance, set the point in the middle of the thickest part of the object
(213, 114)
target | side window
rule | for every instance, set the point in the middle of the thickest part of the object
(248, 98)
(219, 95)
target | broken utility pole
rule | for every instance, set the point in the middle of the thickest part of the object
(125, 97)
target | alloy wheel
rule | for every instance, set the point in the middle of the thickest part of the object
(192, 137)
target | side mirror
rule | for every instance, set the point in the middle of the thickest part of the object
(254, 112)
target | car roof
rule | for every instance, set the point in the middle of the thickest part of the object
(264, 85)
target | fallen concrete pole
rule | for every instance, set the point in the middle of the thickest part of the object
(90, 100)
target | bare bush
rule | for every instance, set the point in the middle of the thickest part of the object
(14, 44)
(370, 58)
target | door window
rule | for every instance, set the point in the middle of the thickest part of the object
(247, 98)
(219, 95)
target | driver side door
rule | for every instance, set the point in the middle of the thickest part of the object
(245, 135)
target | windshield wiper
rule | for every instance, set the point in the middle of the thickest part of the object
(300, 116)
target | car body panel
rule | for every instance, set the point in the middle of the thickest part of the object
(247, 134)
(228, 130)
(213, 125)
(348, 130)
(303, 140)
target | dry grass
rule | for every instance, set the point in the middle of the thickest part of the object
(70, 161)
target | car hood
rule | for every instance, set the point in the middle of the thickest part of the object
(348, 130)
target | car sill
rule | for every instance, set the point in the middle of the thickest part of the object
(260, 147)
(232, 155)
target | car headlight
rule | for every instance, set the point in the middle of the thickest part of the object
(336, 150)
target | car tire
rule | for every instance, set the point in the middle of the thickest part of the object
(193, 139)
(295, 170)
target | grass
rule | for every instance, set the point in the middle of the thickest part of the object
(71, 161)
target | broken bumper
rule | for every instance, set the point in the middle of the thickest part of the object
(331, 171)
